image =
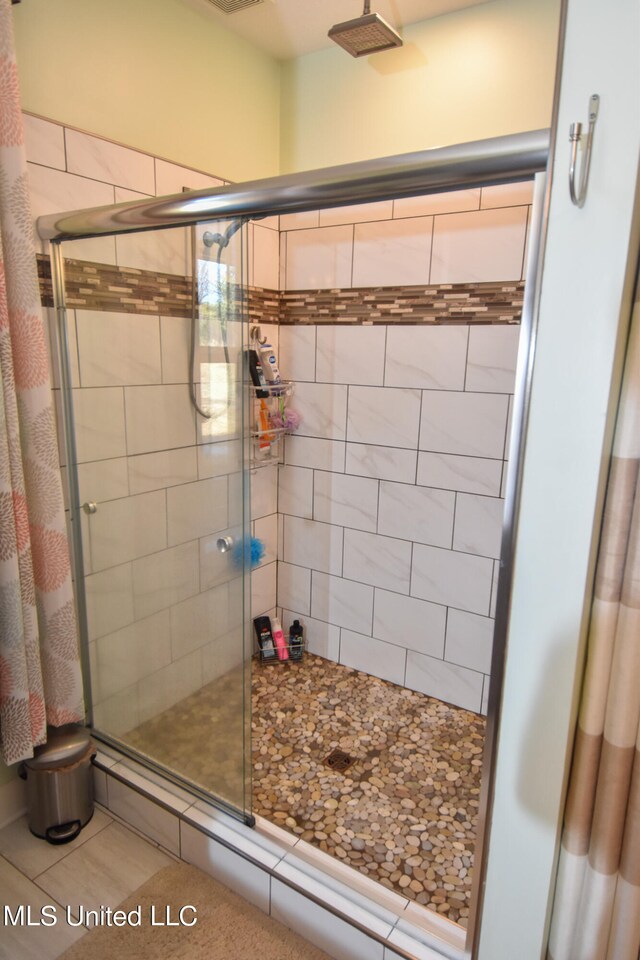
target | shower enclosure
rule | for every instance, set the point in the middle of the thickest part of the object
(156, 456)
(153, 324)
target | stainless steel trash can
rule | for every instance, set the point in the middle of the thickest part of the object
(60, 784)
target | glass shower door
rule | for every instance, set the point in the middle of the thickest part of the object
(156, 454)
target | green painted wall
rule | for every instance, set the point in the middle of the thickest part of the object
(482, 72)
(158, 75)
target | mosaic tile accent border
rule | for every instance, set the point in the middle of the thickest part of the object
(446, 303)
(102, 286)
(99, 286)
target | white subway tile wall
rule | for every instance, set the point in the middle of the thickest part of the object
(163, 602)
(390, 540)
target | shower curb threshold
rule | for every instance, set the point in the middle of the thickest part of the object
(269, 866)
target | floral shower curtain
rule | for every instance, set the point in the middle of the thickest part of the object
(597, 904)
(40, 679)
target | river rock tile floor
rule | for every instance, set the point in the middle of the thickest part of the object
(404, 813)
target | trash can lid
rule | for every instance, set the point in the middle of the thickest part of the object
(64, 746)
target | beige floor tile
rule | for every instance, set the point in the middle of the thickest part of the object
(25, 942)
(104, 870)
(32, 855)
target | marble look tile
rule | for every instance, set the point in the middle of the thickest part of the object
(165, 578)
(123, 530)
(153, 785)
(32, 943)
(507, 195)
(416, 513)
(321, 258)
(31, 856)
(169, 685)
(466, 474)
(469, 640)
(415, 624)
(263, 589)
(266, 530)
(471, 424)
(297, 357)
(144, 815)
(155, 471)
(352, 354)
(345, 500)
(486, 245)
(117, 348)
(447, 682)
(100, 787)
(54, 191)
(317, 453)
(317, 546)
(264, 493)
(323, 639)
(383, 416)
(109, 600)
(223, 655)
(172, 177)
(107, 161)
(427, 357)
(44, 142)
(384, 463)
(300, 221)
(100, 424)
(373, 656)
(478, 526)
(161, 251)
(356, 213)
(121, 658)
(295, 492)
(491, 362)
(104, 480)
(196, 510)
(380, 561)
(158, 418)
(336, 937)
(104, 870)
(342, 602)
(453, 201)
(392, 252)
(199, 620)
(453, 579)
(175, 333)
(216, 459)
(266, 258)
(323, 408)
(231, 869)
(294, 588)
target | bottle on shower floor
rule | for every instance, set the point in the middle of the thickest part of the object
(296, 640)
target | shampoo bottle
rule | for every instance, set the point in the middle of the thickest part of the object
(279, 641)
(296, 640)
(269, 364)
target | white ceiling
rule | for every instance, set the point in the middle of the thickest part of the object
(289, 28)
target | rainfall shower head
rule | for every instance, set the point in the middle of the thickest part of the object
(367, 34)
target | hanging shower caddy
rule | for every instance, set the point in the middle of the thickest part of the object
(268, 415)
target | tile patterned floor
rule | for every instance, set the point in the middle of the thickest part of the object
(104, 865)
(405, 813)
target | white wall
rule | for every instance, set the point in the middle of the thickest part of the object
(584, 311)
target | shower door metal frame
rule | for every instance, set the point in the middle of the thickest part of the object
(499, 160)
(77, 548)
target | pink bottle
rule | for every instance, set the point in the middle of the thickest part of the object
(279, 640)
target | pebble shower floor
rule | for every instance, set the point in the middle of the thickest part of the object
(404, 813)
